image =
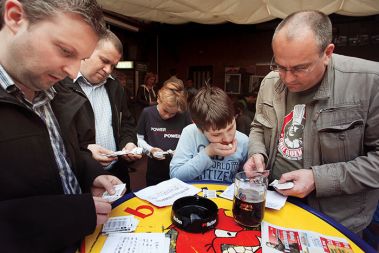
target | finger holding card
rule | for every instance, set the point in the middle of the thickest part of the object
(119, 191)
(282, 186)
(104, 183)
(303, 181)
(102, 155)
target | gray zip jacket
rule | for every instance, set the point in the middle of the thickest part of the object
(341, 138)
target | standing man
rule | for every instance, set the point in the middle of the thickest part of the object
(114, 124)
(333, 101)
(48, 188)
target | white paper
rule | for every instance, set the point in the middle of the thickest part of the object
(136, 243)
(276, 239)
(166, 192)
(134, 151)
(161, 154)
(119, 190)
(228, 193)
(274, 200)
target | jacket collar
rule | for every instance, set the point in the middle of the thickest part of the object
(8, 87)
(324, 91)
(80, 76)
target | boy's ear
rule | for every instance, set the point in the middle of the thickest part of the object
(14, 15)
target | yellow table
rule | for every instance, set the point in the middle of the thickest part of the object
(154, 219)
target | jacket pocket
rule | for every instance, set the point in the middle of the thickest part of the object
(341, 132)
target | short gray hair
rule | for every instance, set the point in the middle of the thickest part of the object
(37, 10)
(318, 22)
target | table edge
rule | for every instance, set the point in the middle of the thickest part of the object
(341, 228)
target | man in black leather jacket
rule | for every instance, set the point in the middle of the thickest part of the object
(49, 189)
(108, 110)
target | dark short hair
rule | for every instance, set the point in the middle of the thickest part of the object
(37, 10)
(211, 108)
(317, 21)
(116, 42)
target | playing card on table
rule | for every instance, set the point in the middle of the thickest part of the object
(120, 224)
(119, 189)
(210, 194)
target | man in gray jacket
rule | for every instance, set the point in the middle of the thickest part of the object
(316, 122)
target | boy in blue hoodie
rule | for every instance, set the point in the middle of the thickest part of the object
(211, 148)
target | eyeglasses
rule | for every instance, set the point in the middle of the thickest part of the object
(297, 70)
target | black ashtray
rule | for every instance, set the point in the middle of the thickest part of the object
(194, 214)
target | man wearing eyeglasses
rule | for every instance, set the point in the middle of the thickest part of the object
(334, 99)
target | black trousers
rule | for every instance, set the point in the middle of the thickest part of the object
(157, 170)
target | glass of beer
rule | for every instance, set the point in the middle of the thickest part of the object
(249, 199)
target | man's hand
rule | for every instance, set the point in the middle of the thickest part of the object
(154, 150)
(103, 208)
(104, 183)
(98, 153)
(219, 149)
(256, 163)
(130, 157)
(303, 180)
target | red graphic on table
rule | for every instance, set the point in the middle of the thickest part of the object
(284, 241)
(225, 236)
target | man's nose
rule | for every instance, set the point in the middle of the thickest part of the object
(72, 69)
(108, 69)
(288, 76)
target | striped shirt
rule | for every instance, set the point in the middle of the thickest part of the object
(101, 105)
(42, 107)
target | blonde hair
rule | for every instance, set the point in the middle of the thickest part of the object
(174, 94)
(150, 75)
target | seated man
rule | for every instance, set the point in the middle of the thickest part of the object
(210, 149)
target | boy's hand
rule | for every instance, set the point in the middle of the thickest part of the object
(219, 149)
(155, 153)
